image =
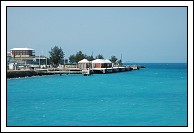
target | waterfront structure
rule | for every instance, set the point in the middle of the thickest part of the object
(101, 63)
(11, 63)
(98, 63)
(96, 66)
(32, 60)
(12, 66)
(24, 58)
(9, 57)
(22, 52)
(83, 64)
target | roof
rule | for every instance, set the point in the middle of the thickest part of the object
(83, 61)
(108, 61)
(101, 61)
(22, 49)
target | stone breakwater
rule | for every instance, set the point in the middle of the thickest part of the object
(17, 74)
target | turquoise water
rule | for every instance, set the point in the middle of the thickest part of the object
(154, 96)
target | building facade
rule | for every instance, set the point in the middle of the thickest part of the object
(101, 63)
(84, 64)
(98, 63)
(22, 52)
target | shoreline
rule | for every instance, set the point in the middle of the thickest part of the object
(29, 73)
(25, 73)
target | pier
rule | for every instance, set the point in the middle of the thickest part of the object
(90, 71)
(111, 70)
(85, 72)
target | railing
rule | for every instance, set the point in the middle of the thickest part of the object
(71, 66)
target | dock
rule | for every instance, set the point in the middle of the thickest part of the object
(90, 71)
(65, 72)
(111, 70)
(53, 71)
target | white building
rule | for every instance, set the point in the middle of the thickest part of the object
(98, 63)
(84, 64)
(22, 52)
(101, 63)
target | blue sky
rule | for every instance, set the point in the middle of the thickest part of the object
(140, 34)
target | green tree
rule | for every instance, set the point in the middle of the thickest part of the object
(72, 59)
(90, 57)
(79, 56)
(75, 58)
(56, 56)
(99, 56)
(113, 59)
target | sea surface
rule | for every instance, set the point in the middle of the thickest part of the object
(152, 96)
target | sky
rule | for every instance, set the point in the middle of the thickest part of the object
(139, 34)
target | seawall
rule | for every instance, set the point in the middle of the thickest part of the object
(28, 73)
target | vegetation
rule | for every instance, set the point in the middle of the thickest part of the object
(56, 56)
(113, 59)
(90, 58)
(75, 58)
(99, 56)
(72, 59)
(79, 56)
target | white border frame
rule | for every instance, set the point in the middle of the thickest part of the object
(96, 3)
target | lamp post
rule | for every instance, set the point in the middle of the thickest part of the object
(39, 60)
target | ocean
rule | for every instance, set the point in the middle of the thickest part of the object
(152, 96)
